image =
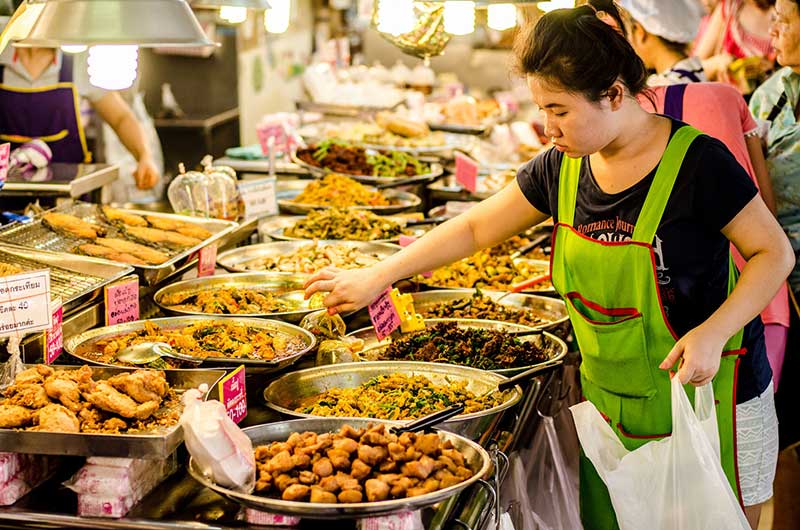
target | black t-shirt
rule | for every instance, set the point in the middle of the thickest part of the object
(691, 252)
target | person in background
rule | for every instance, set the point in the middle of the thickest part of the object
(661, 32)
(708, 7)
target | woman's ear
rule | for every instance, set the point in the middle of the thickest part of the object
(616, 95)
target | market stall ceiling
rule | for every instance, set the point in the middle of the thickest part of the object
(146, 23)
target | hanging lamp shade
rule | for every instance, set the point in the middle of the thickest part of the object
(146, 23)
(249, 4)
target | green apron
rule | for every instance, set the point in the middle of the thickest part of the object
(615, 307)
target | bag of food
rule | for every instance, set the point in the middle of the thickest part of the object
(685, 484)
(323, 325)
(339, 351)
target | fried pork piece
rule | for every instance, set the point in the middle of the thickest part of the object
(146, 254)
(141, 385)
(319, 495)
(115, 214)
(33, 375)
(154, 235)
(295, 492)
(173, 225)
(106, 397)
(13, 416)
(57, 418)
(29, 396)
(99, 251)
(350, 496)
(376, 490)
(72, 225)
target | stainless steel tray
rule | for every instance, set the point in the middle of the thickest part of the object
(544, 265)
(475, 456)
(553, 310)
(276, 228)
(76, 279)
(155, 445)
(71, 344)
(400, 201)
(237, 259)
(436, 171)
(552, 345)
(285, 283)
(286, 393)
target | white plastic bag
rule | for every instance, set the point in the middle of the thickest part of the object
(672, 484)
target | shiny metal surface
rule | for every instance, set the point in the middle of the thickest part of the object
(96, 176)
(474, 455)
(436, 171)
(153, 445)
(236, 260)
(555, 347)
(287, 392)
(400, 201)
(286, 283)
(71, 344)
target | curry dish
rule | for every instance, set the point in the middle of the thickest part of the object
(229, 301)
(354, 225)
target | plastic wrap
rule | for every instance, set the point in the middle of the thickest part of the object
(339, 351)
(13, 365)
(323, 325)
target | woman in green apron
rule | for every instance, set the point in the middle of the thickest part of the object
(640, 248)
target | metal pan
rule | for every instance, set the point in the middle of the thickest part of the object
(541, 264)
(286, 284)
(149, 445)
(435, 172)
(553, 310)
(83, 341)
(399, 201)
(552, 345)
(276, 228)
(287, 392)
(475, 457)
(244, 259)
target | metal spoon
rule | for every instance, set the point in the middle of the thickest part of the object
(147, 352)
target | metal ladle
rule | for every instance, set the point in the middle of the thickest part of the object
(147, 352)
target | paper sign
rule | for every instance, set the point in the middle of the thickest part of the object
(394, 521)
(259, 198)
(233, 394)
(122, 301)
(5, 152)
(25, 303)
(207, 261)
(384, 315)
(407, 240)
(466, 172)
(54, 337)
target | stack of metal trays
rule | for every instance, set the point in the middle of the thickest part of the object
(76, 279)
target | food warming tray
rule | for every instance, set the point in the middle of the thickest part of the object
(275, 229)
(400, 201)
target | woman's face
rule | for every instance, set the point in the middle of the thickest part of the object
(785, 33)
(575, 125)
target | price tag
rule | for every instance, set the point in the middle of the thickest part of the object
(5, 152)
(407, 240)
(384, 315)
(466, 172)
(394, 521)
(259, 198)
(207, 261)
(233, 394)
(25, 303)
(54, 337)
(122, 301)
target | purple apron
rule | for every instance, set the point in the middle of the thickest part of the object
(51, 114)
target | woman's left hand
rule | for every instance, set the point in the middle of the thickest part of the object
(700, 351)
(146, 174)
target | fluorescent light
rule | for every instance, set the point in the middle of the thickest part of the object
(502, 16)
(459, 17)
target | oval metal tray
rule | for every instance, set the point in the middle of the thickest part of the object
(545, 265)
(72, 344)
(400, 201)
(286, 283)
(236, 260)
(282, 223)
(285, 393)
(555, 347)
(474, 455)
(436, 171)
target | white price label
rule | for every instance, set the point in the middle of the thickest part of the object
(259, 198)
(25, 303)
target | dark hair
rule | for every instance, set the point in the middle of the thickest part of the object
(580, 52)
(676, 47)
(766, 4)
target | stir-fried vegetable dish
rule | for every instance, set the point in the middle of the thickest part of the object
(335, 223)
(480, 306)
(340, 191)
(342, 157)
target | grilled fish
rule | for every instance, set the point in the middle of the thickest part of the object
(149, 255)
(99, 251)
(61, 222)
(154, 235)
(115, 214)
(8, 270)
(172, 225)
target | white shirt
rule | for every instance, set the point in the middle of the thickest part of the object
(677, 74)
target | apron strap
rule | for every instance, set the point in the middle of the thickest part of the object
(778, 107)
(67, 63)
(568, 189)
(673, 101)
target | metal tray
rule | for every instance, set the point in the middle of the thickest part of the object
(155, 445)
(236, 260)
(436, 171)
(286, 283)
(71, 344)
(400, 201)
(555, 347)
(276, 227)
(76, 279)
(475, 456)
(553, 309)
(286, 392)
(448, 189)
(427, 282)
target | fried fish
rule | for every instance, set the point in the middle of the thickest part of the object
(163, 237)
(115, 214)
(173, 225)
(61, 222)
(99, 251)
(149, 255)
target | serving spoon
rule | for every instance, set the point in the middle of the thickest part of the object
(147, 352)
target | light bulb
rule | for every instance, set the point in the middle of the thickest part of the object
(113, 67)
(74, 48)
(552, 5)
(459, 17)
(502, 16)
(396, 17)
(232, 14)
(276, 18)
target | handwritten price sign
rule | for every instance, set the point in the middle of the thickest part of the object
(384, 316)
(122, 301)
(5, 152)
(25, 303)
(233, 394)
(466, 172)
(258, 197)
(54, 337)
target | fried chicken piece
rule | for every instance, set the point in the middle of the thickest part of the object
(330, 484)
(388, 466)
(420, 469)
(154, 235)
(346, 482)
(454, 455)
(99, 251)
(147, 254)
(388, 478)
(307, 477)
(30, 396)
(295, 492)
(429, 486)
(284, 481)
(57, 418)
(428, 444)
(446, 478)
(91, 418)
(74, 226)
(106, 397)
(375, 438)
(407, 439)
(141, 385)
(340, 459)
(360, 470)
(114, 425)
(320, 496)
(264, 482)
(401, 453)
(323, 467)
(13, 416)
(323, 441)
(115, 214)
(350, 497)
(463, 473)
(376, 490)
(64, 386)
(347, 445)
(372, 455)
(33, 375)
(402, 485)
(301, 460)
(280, 463)
(349, 432)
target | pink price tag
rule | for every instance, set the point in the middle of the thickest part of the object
(54, 337)
(466, 172)
(122, 302)
(233, 394)
(384, 315)
(407, 240)
(207, 261)
(5, 152)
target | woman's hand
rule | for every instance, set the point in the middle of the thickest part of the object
(146, 174)
(700, 351)
(348, 290)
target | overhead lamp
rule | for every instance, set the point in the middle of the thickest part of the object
(113, 67)
(502, 16)
(233, 14)
(278, 16)
(75, 48)
(148, 23)
(395, 17)
(459, 17)
(552, 5)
